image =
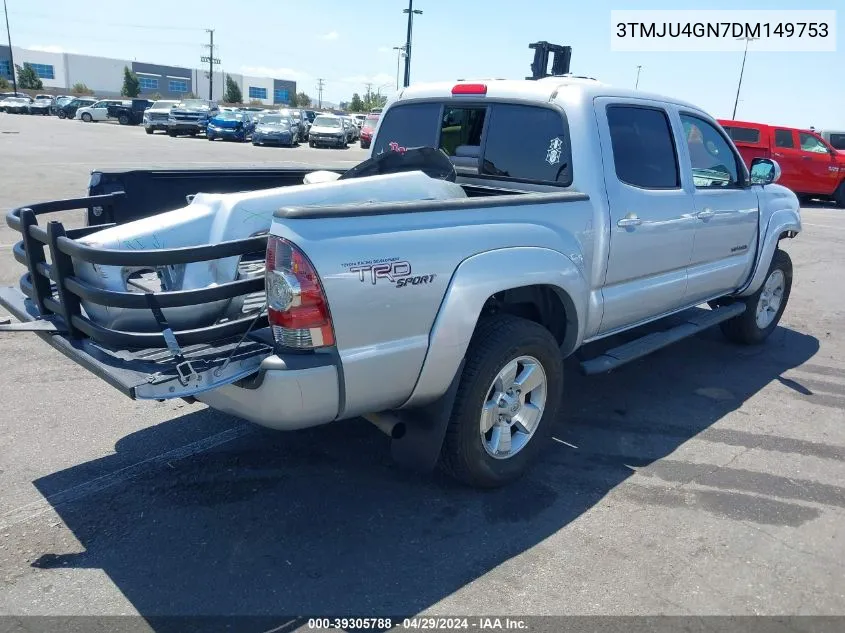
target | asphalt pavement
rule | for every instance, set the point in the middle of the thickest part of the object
(706, 479)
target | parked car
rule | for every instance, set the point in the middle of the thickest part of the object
(300, 122)
(404, 291)
(129, 112)
(60, 101)
(17, 105)
(42, 105)
(328, 130)
(232, 126)
(368, 129)
(68, 110)
(275, 129)
(97, 111)
(352, 131)
(812, 168)
(155, 117)
(191, 117)
(359, 119)
(836, 138)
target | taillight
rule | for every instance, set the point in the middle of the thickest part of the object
(297, 308)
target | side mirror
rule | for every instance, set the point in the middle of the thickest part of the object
(764, 171)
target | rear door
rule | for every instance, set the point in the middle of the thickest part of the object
(820, 167)
(726, 210)
(652, 213)
(785, 150)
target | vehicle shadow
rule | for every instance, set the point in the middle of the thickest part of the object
(320, 521)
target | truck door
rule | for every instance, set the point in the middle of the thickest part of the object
(785, 151)
(652, 221)
(726, 210)
(820, 167)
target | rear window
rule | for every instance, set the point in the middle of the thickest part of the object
(837, 141)
(743, 134)
(498, 140)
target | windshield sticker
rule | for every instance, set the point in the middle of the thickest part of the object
(554, 152)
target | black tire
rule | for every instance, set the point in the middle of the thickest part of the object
(62, 114)
(743, 329)
(87, 117)
(497, 341)
(172, 134)
(123, 119)
(839, 195)
(148, 130)
(311, 144)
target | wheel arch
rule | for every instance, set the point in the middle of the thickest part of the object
(540, 284)
(783, 224)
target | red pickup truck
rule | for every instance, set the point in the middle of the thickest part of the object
(810, 166)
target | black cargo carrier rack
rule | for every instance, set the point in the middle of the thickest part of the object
(147, 365)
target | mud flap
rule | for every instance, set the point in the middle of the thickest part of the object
(425, 429)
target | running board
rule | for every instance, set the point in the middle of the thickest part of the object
(699, 319)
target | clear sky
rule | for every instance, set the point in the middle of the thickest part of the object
(349, 43)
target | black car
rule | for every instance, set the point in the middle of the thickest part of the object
(68, 110)
(129, 112)
(42, 105)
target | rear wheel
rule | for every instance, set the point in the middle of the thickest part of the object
(123, 119)
(62, 114)
(507, 400)
(171, 134)
(765, 307)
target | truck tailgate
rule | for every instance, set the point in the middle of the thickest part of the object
(150, 374)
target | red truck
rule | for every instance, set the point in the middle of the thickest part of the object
(810, 166)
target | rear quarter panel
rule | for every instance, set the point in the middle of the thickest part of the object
(382, 328)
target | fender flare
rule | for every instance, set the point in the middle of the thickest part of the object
(780, 222)
(475, 280)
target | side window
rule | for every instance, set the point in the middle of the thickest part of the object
(810, 143)
(408, 125)
(714, 164)
(528, 143)
(837, 141)
(643, 148)
(783, 138)
(743, 134)
(460, 129)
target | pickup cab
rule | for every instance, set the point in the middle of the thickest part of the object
(130, 112)
(811, 166)
(434, 289)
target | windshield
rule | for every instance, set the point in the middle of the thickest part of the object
(163, 105)
(370, 124)
(194, 103)
(43, 99)
(325, 121)
(275, 119)
(232, 116)
(64, 100)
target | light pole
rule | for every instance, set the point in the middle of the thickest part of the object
(400, 52)
(638, 77)
(411, 13)
(11, 54)
(741, 71)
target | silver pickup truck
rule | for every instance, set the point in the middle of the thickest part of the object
(573, 211)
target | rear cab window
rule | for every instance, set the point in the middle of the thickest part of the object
(837, 141)
(496, 140)
(743, 134)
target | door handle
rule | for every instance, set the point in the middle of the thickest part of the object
(706, 214)
(806, 158)
(629, 221)
(778, 155)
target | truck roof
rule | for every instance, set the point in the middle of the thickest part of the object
(544, 90)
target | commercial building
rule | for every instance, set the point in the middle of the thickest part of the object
(103, 75)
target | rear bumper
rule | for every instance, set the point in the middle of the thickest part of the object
(289, 392)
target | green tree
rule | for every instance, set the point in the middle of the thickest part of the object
(131, 85)
(156, 96)
(301, 100)
(27, 78)
(233, 91)
(356, 105)
(80, 89)
(4, 84)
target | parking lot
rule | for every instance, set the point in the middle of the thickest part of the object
(706, 479)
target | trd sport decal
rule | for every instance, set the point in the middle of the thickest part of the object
(390, 270)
